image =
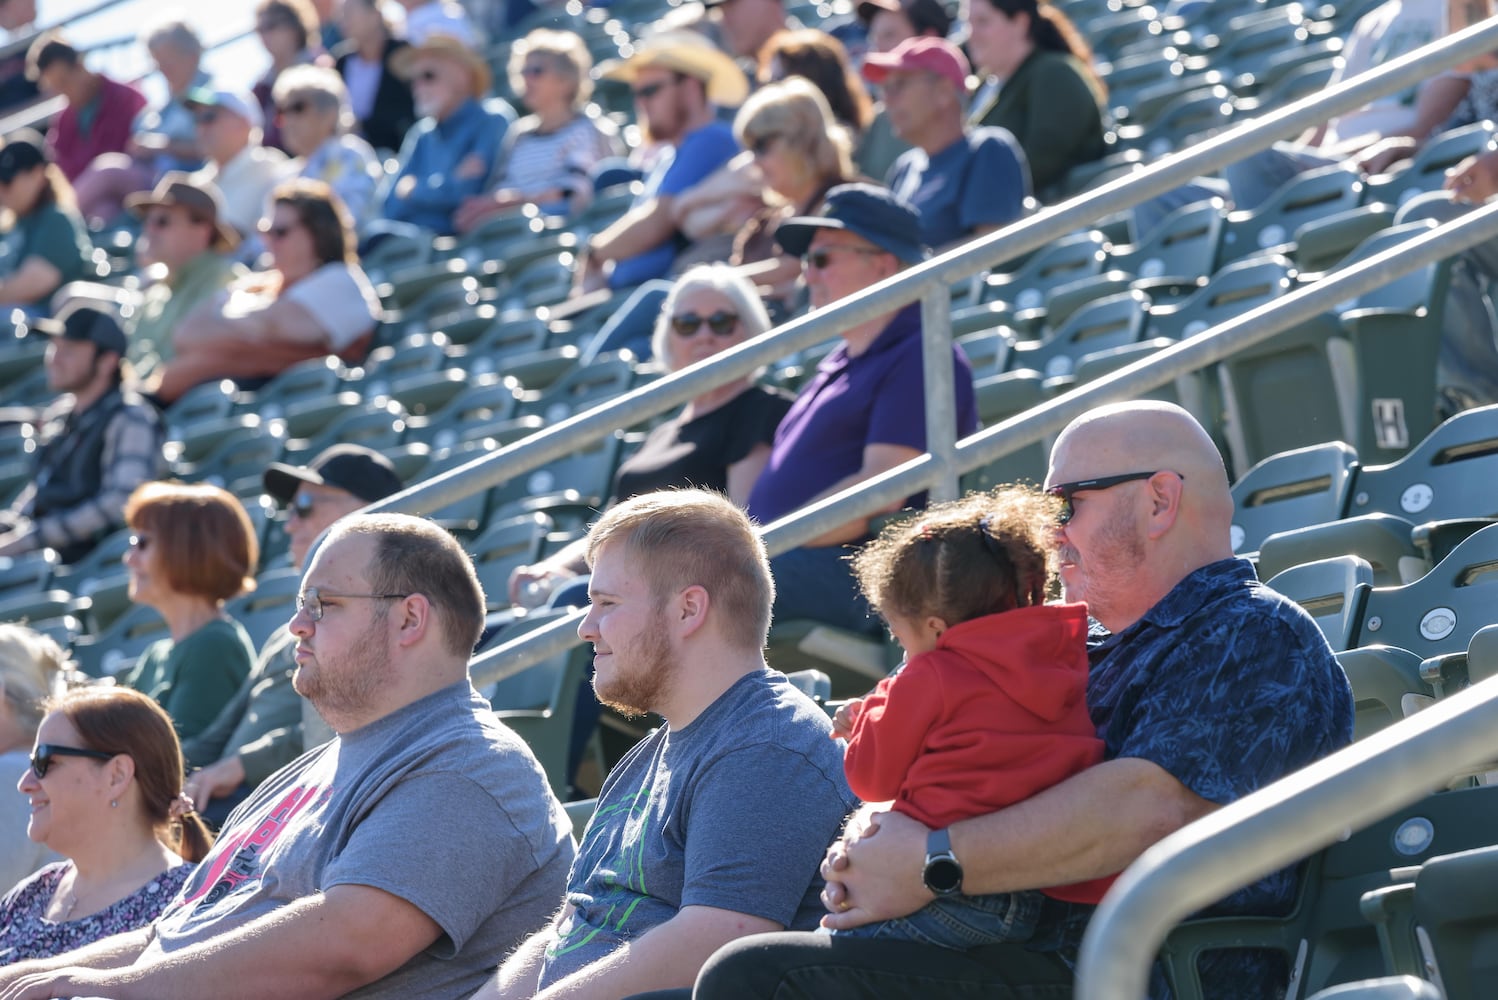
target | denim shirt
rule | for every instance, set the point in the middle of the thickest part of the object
(1228, 686)
(447, 162)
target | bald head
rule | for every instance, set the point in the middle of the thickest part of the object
(1129, 544)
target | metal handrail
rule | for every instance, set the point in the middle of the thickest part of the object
(930, 281)
(1277, 826)
(1009, 435)
(936, 276)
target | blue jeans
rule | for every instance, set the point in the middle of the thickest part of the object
(963, 922)
(817, 583)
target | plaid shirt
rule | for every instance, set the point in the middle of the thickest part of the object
(132, 455)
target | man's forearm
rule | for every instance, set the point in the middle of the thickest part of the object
(1092, 825)
(324, 945)
(668, 956)
(108, 953)
(642, 228)
(521, 971)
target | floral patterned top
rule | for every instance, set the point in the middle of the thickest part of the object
(26, 933)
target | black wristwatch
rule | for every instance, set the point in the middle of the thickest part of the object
(943, 872)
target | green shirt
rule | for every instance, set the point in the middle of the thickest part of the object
(1050, 107)
(193, 679)
(262, 724)
(164, 304)
(56, 236)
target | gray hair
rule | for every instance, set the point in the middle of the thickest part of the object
(176, 33)
(30, 665)
(724, 280)
(322, 84)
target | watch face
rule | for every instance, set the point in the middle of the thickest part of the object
(943, 875)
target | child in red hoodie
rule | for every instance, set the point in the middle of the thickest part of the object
(990, 706)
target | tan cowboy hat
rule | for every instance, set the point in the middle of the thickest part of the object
(451, 37)
(204, 200)
(689, 53)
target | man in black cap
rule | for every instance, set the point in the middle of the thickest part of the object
(863, 413)
(267, 724)
(99, 442)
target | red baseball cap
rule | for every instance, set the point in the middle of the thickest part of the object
(934, 55)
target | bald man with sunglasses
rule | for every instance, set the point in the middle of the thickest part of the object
(267, 724)
(1204, 686)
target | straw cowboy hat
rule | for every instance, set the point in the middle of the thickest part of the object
(452, 37)
(690, 54)
(178, 189)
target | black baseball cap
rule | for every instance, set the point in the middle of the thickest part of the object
(867, 210)
(366, 474)
(79, 320)
(22, 150)
(927, 17)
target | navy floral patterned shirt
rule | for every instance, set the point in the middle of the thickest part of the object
(1228, 686)
(26, 933)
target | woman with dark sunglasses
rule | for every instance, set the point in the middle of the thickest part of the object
(104, 786)
(719, 441)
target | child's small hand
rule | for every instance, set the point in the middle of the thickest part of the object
(846, 718)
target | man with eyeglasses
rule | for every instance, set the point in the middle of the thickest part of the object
(398, 860)
(963, 182)
(267, 724)
(1204, 686)
(183, 231)
(863, 412)
(239, 164)
(679, 80)
(98, 442)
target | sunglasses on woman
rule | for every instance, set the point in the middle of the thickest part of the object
(45, 754)
(722, 323)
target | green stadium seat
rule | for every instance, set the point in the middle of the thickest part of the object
(1482, 654)
(1322, 243)
(1439, 613)
(1457, 919)
(373, 425)
(504, 546)
(1000, 397)
(853, 661)
(607, 377)
(1234, 290)
(1381, 677)
(1334, 592)
(1302, 200)
(1426, 170)
(1181, 250)
(1114, 321)
(1395, 333)
(1325, 937)
(1385, 541)
(268, 608)
(1382, 988)
(112, 650)
(540, 702)
(1029, 285)
(1447, 475)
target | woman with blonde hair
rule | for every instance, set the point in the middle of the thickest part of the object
(192, 550)
(559, 143)
(801, 154)
(44, 243)
(31, 665)
(105, 788)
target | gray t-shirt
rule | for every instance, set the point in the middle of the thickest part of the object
(733, 811)
(359, 811)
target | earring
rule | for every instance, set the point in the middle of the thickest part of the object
(114, 803)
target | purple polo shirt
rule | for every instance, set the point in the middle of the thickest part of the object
(878, 397)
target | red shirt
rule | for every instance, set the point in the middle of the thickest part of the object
(117, 104)
(994, 714)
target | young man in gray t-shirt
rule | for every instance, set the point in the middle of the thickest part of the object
(714, 826)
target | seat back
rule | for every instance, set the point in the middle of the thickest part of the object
(1183, 246)
(1333, 592)
(1306, 198)
(1482, 654)
(1231, 292)
(1448, 475)
(1290, 490)
(1442, 611)
(1381, 676)
(1070, 259)
(1112, 321)
(267, 609)
(1386, 541)
(502, 547)
(1426, 171)
(1326, 937)
(1456, 919)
